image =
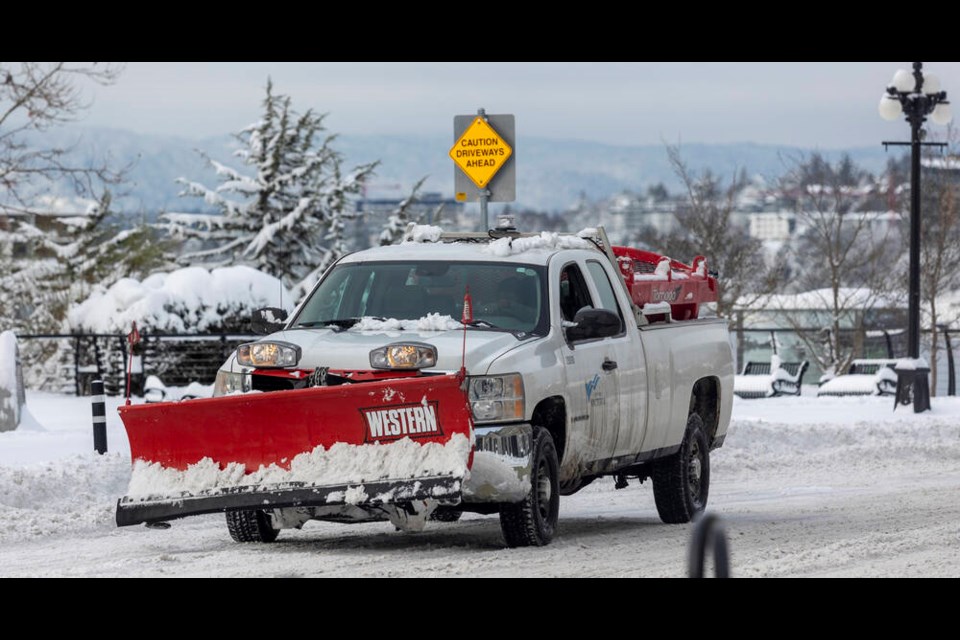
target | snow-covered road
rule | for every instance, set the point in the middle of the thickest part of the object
(804, 486)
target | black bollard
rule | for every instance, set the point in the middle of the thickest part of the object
(708, 534)
(99, 417)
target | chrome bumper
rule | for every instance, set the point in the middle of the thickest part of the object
(501, 464)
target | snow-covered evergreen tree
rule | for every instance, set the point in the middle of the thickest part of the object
(400, 218)
(283, 214)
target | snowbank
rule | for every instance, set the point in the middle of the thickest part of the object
(61, 497)
(836, 440)
(186, 300)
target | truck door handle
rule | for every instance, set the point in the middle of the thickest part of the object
(609, 365)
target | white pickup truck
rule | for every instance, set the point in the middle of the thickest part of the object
(567, 378)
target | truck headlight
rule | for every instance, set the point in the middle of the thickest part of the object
(268, 355)
(496, 398)
(228, 382)
(404, 355)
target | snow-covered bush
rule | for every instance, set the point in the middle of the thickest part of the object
(189, 300)
(192, 300)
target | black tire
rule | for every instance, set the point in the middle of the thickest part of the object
(533, 521)
(251, 526)
(442, 514)
(681, 482)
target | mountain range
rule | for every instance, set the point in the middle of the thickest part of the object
(553, 175)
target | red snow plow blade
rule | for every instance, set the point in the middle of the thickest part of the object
(385, 441)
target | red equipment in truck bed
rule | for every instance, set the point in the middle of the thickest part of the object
(653, 278)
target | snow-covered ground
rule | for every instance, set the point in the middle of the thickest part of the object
(805, 486)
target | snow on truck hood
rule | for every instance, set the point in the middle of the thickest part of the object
(350, 349)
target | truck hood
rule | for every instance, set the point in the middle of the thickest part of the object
(351, 349)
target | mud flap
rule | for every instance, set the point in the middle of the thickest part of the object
(369, 443)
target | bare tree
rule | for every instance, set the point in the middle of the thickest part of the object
(843, 258)
(34, 97)
(706, 225)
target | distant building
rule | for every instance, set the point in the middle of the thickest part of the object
(780, 225)
(424, 206)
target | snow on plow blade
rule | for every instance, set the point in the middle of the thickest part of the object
(369, 443)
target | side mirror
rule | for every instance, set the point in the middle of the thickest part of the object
(267, 320)
(594, 323)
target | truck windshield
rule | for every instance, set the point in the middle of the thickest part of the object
(505, 296)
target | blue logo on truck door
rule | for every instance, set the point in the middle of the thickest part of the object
(592, 385)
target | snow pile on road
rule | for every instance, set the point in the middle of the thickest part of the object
(190, 299)
(429, 322)
(342, 463)
(61, 497)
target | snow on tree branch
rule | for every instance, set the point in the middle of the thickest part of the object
(289, 197)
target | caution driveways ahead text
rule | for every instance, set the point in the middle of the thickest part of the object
(480, 152)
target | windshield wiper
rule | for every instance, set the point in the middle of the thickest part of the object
(482, 324)
(339, 323)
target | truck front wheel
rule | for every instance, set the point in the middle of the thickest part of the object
(533, 521)
(251, 526)
(681, 482)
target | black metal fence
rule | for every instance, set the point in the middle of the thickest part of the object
(69, 362)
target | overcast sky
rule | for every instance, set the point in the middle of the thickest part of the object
(817, 104)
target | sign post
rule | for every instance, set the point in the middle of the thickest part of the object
(483, 155)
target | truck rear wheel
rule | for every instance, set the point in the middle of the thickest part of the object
(533, 521)
(681, 482)
(251, 526)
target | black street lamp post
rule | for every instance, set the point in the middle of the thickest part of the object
(915, 95)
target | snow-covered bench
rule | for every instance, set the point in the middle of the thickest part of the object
(155, 391)
(865, 377)
(767, 379)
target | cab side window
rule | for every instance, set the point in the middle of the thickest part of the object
(574, 294)
(608, 300)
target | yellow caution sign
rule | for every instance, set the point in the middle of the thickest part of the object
(480, 152)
